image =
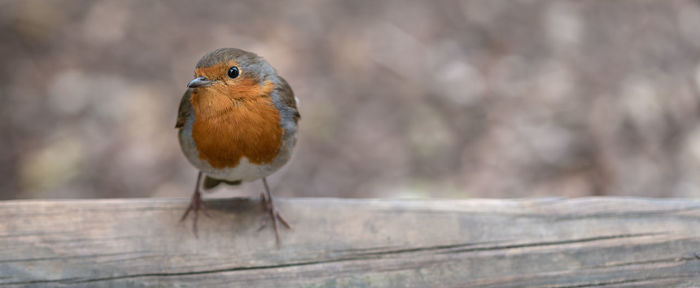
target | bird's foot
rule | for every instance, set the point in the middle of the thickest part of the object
(269, 206)
(196, 204)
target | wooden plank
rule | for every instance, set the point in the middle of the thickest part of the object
(589, 242)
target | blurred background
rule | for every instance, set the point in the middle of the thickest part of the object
(403, 99)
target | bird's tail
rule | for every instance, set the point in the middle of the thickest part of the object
(211, 183)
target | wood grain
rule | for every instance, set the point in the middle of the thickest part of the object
(588, 242)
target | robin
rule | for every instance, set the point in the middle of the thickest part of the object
(237, 122)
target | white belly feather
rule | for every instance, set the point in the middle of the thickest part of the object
(245, 170)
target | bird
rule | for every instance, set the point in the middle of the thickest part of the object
(237, 122)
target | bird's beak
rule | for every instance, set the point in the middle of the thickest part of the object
(199, 82)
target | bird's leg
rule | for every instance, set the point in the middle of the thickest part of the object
(269, 205)
(195, 205)
(263, 202)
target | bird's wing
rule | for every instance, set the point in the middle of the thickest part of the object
(185, 109)
(287, 97)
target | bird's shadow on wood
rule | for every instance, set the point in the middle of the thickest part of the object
(237, 205)
(239, 214)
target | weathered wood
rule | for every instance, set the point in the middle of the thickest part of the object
(353, 243)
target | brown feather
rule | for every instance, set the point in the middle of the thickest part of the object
(235, 121)
(287, 97)
(184, 111)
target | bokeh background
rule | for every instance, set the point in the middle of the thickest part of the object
(401, 98)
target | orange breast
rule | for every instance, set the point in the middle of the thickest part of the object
(235, 122)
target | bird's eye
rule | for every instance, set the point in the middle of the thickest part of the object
(233, 72)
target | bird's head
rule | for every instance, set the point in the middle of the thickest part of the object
(233, 73)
